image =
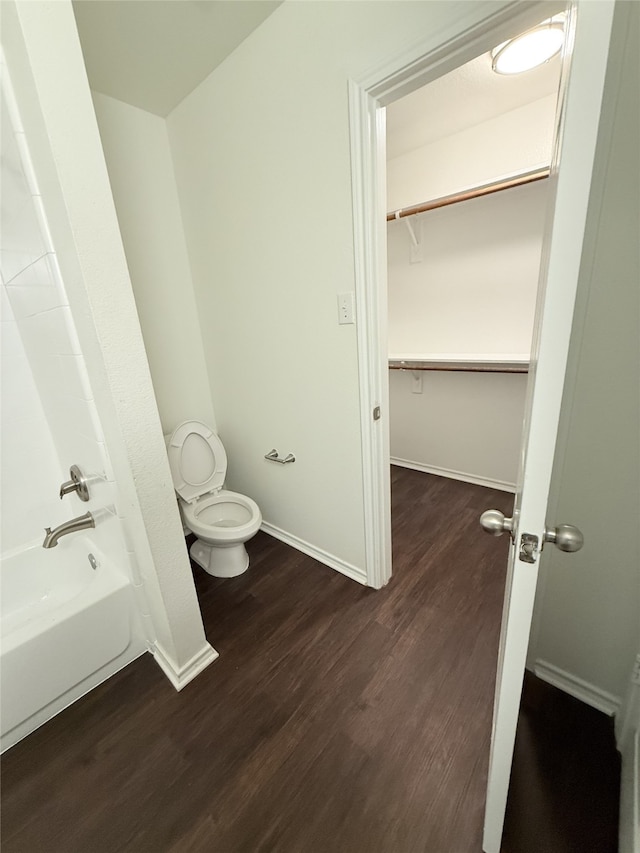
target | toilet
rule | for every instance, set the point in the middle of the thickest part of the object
(223, 521)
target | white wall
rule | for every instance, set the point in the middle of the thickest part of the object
(516, 141)
(48, 414)
(462, 425)
(587, 624)
(45, 61)
(31, 472)
(136, 149)
(261, 151)
(475, 289)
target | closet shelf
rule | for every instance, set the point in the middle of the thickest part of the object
(463, 364)
(507, 183)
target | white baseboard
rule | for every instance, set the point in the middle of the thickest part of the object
(502, 485)
(318, 554)
(180, 676)
(574, 686)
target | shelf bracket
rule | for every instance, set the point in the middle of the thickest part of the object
(416, 238)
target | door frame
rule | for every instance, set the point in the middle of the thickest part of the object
(433, 56)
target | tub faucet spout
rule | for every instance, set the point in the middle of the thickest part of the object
(79, 523)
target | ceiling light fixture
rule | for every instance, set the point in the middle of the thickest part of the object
(528, 50)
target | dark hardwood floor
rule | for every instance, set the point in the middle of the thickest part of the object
(337, 718)
(565, 783)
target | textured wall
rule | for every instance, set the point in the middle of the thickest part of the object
(136, 149)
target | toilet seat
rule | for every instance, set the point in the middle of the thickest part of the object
(224, 517)
(197, 459)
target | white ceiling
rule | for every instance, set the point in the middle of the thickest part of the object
(152, 53)
(469, 95)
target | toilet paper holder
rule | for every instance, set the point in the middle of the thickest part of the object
(272, 456)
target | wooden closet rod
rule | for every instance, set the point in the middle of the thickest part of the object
(475, 192)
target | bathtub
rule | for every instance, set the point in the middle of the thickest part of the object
(65, 626)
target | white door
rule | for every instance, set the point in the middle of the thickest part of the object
(574, 155)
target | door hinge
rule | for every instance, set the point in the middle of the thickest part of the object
(528, 551)
(376, 413)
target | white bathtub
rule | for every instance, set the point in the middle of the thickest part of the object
(64, 628)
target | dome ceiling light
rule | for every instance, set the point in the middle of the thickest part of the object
(530, 49)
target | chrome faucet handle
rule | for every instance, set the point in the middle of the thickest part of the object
(77, 483)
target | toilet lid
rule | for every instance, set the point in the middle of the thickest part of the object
(197, 460)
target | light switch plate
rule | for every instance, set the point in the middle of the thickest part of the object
(346, 309)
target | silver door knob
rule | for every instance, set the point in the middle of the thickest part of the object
(495, 523)
(566, 537)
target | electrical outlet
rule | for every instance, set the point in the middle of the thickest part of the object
(346, 311)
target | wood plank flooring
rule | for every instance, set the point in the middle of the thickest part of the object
(337, 718)
(565, 783)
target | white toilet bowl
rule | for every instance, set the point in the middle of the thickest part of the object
(222, 521)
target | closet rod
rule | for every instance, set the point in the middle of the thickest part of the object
(461, 367)
(475, 192)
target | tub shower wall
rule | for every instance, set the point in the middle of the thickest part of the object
(49, 422)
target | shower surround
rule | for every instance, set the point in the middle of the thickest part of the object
(65, 626)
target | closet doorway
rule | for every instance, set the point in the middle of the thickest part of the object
(468, 158)
(573, 160)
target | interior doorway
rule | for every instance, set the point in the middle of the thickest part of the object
(468, 198)
(578, 119)
(427, 66)
(468, 159)
(427, 63)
